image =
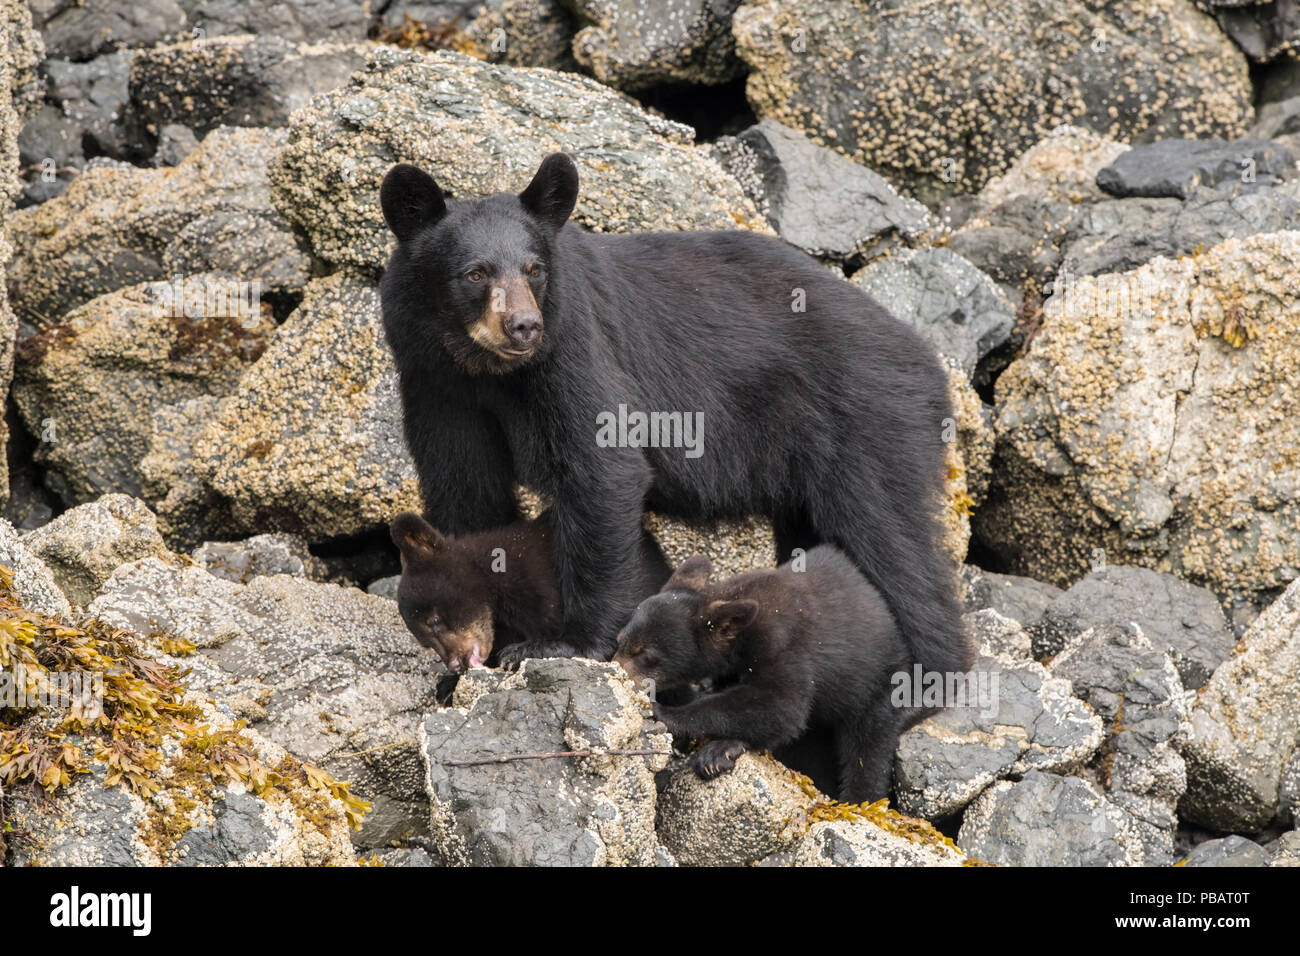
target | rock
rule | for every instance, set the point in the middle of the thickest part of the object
(632, 45)
(733, 547)
(933, 96)
(1178, 167)
(175, 142)
(1046, 820)
(312, 441)
(1263, 30)
(330, 674)
(1136, 690)
(1277, 119)
(188, 511)
(843, 843)
(300, 21)
(1022, 599)
(32, 580)
(1289, 789)
(119, 225)
(1230, 851)
(996, 635)
(478, 129)
(385, 587)
(1285, 850)
(1015, 717)
(1180, 619)
(523, 33)
(760, 812)
(818, 200)
(84, 546)
(1154, 418)
(83, 29)
(405, 856)
(260, 554)
(83, 111)
(247, 80)
(589, 811)
(1245, 727)
(957, 308)
(88, 386)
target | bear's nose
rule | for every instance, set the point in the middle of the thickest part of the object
(524, 328)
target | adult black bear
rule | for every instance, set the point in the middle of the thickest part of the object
(788, 652)
(468, 597)
(516, 334)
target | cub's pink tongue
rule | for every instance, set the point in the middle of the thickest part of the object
(474, 659)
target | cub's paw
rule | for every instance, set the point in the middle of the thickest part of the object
(512, 655)
(716, 757)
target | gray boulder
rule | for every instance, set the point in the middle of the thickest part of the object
(816, 199)
(596, 810)
(630, 44)
(274, 553)
(1230, 851)
(1180, 619)
(1022, 599)
(300, 21)
(1178, 167)
(33, 582)
(957, 308)
(82, 29)
(1046, 820)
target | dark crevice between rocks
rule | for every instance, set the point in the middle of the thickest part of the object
(712, 111)
(30, 503)
(359, 558)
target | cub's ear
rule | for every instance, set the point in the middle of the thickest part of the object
(554, 190)
(692, 575)
(729, 618)
(414, 537)
(411, 199)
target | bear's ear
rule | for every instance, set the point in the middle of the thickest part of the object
(414, 537)
(411, 200)
(692, 575)
(551, 195)
(726, 619)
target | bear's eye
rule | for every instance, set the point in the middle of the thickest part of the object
(534, 270)
(435, 621)
(474, 275)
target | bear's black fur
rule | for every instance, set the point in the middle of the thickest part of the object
(469, 596)
(788, 652)
(512, 331)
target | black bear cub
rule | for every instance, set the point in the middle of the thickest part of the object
(789, 652)
(468, 596)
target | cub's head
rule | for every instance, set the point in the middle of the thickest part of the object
(681, 635)
(471, 277)
(442, 596)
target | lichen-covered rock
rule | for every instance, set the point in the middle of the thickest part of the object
(84, 546)
(734, 547)
(1245, 726)
(816, 199)
(330, 674)
(275, 553)
(1134, 687)
(1016, 717)
(245, 80)
(969, 455)
(933, 95)
(1229, 851)
(118, 225)
(760, 812)
(596, 810)
(82, 29)
(523, 33)
(87, 387)
(312, 441)
(632, 44)
(188, 511)
(956, 308)
(32, 581)
(480, 128)
(1046, 820)
(1182, 620)
(1155, 418)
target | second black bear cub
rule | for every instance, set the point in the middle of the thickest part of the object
(788, 652)
(468, 596)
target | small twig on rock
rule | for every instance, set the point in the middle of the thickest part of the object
(589, 752)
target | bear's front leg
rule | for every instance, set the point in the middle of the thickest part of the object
(512, 655)
(760, 715)
(717, 757)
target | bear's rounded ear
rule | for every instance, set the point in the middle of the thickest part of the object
(693, 575)
(414, 537)
(551, 195)
(410, 199)
(728, 618)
